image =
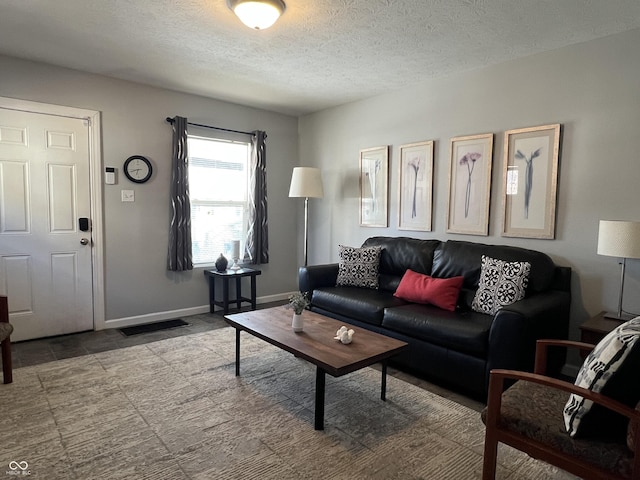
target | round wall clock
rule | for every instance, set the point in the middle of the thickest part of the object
(138, 169)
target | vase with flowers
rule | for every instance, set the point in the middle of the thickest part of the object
(297, 302)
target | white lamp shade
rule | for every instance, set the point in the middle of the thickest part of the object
(306, 182)
(619, 239)
(257, 14)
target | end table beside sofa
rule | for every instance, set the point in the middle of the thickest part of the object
(225, 276)
(457, 347)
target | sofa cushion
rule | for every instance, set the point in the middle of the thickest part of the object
(362, 304)
(455, 258)
(400, 254)
(466, 332)
(501, 283)
(465, 299)
(611, 369)
(418, 288)
(358, 267)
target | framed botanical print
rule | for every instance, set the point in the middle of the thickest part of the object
(374, 187)
(530, 178)
(416, 186)
(470, 184)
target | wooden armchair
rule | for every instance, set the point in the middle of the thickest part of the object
(5, 331)
(528, 417)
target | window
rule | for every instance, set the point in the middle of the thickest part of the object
(218, 186)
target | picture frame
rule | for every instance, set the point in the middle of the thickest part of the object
(471, 159)
(530, 181)
(415, 202)
(374, 187)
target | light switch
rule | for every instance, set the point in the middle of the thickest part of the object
(128, 195)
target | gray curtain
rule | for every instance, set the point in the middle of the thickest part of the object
(179, 257)
(257, 242)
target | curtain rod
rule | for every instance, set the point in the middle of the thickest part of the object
(170, 120)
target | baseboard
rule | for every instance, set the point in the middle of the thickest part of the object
(155, 317)
(182, 312)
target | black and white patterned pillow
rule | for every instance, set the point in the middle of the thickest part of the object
(358, 267)
(501, 283)
(611, 369)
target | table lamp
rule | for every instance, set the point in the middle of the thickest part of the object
(619, 239)
(306, 182)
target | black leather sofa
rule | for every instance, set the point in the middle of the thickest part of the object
(457, 348)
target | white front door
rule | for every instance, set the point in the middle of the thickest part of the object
(45, 258)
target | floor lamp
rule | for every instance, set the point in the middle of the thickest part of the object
(306, 182)
(619, 239)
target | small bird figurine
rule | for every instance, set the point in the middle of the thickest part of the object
(344, 335)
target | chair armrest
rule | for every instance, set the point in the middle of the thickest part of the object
(543, 345)
(4, 309)
(498, 376)
(317, 276)
(5, 332)
(494, 405)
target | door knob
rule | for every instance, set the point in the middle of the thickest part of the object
(84, 241)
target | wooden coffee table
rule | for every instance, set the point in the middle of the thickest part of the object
(317, 345)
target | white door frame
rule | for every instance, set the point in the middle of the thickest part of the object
(95, 172)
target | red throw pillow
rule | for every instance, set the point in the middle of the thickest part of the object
(441, 292)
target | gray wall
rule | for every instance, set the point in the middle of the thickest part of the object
(136, 234)
(592, 89)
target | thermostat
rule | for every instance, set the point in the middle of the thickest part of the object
(110, 175)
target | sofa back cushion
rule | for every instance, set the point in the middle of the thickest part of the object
(400, 254)
(455, 258)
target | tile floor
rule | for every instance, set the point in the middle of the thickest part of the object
(33, 352)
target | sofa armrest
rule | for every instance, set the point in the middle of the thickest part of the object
(562, 279)
(317, 276)
(548, 310)
(515, 329)
(541, 303)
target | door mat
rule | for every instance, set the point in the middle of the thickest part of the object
(153, 327)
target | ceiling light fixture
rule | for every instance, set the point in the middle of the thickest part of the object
(257, 14)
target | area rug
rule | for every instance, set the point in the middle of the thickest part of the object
(174, 409)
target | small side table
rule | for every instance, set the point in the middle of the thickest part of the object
(597, 327)
(225, 276)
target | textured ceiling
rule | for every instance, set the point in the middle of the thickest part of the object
(319, 54)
